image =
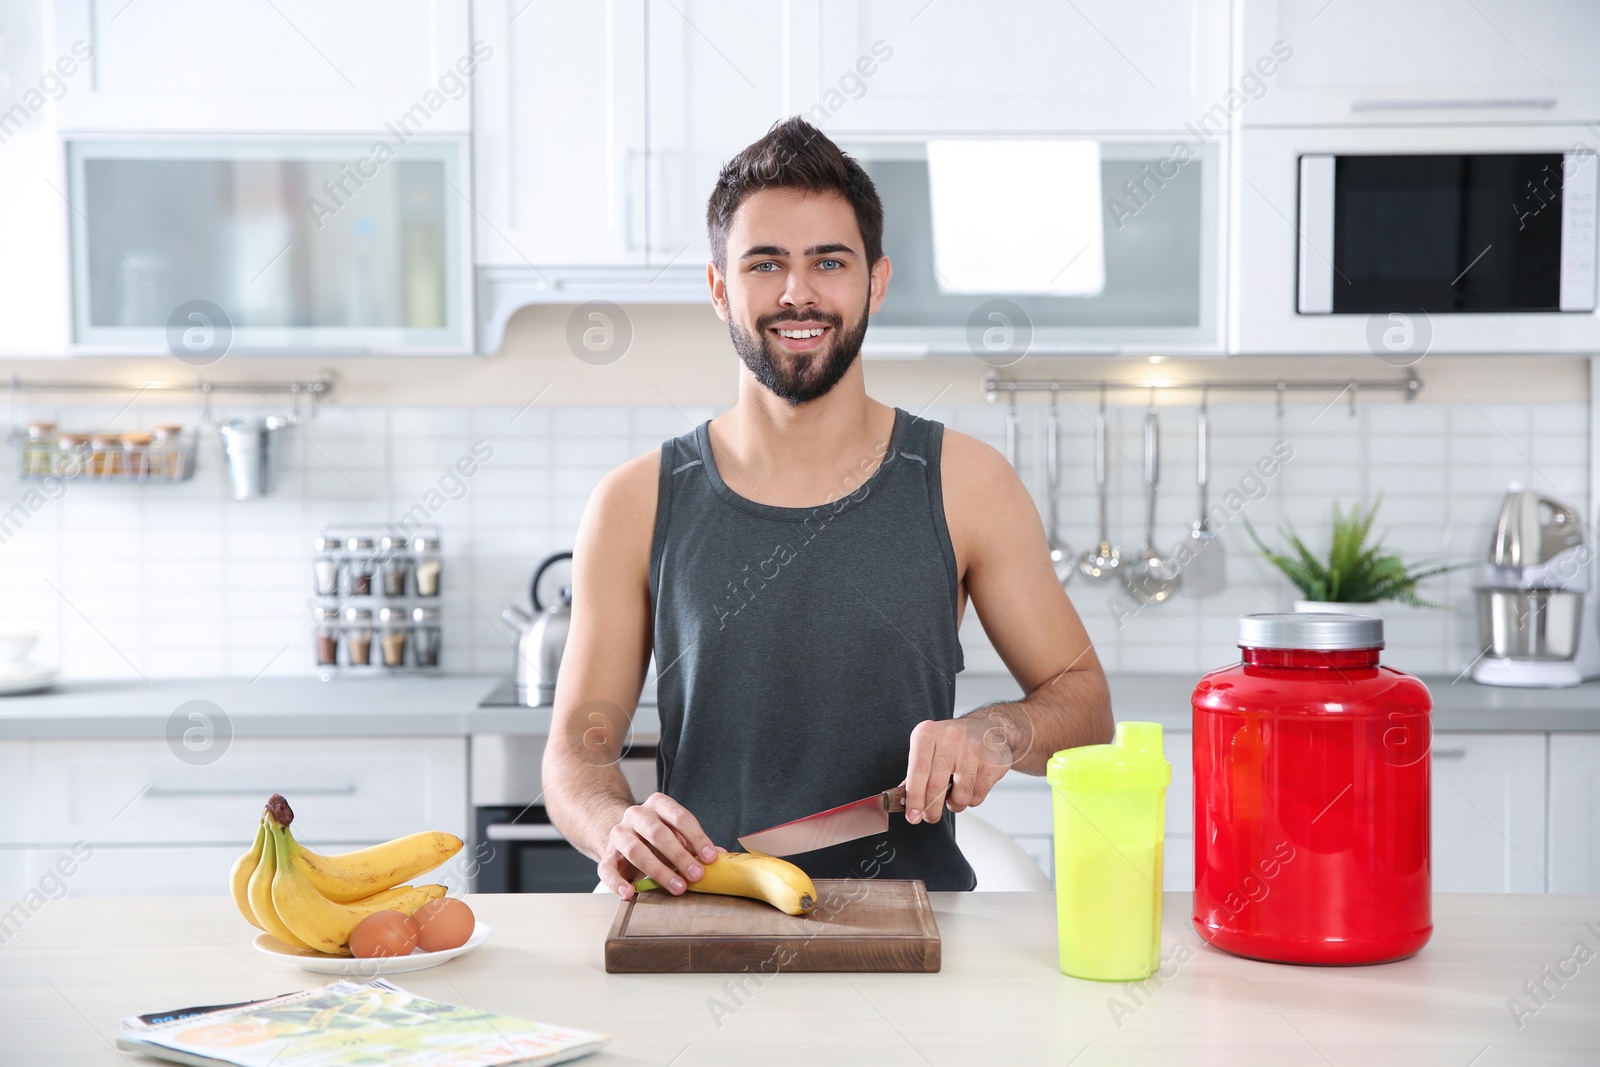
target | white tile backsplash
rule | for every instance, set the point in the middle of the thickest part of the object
(179, 580)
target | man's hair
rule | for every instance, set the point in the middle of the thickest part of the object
(793, 155)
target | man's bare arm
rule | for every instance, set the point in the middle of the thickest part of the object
(1033, 627)
(597, 693)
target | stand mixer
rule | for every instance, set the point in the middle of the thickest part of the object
(1535, 621)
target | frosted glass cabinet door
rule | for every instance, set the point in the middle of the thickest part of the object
(202, 248)
(1160, 216)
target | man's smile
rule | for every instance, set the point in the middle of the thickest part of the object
(799, 337)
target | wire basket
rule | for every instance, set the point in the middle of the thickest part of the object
(104, 459)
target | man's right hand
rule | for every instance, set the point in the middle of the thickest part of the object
(658, 839)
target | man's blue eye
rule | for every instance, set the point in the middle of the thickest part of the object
(762, 267)
(834, 262)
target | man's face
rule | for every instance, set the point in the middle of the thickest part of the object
(797, 292)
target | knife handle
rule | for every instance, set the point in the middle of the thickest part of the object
(894, 800)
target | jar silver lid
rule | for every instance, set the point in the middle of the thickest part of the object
(391, 616)
(324, 543)
(425, 615)
(359, 544)
(425, 544)
(390, 543)
(362, 616)
(1310, 630)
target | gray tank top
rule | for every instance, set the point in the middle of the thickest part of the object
(796, 648)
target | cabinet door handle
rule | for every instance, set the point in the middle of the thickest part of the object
(1458, 752)
(246, 791)
(509, 831)
(1540, 103)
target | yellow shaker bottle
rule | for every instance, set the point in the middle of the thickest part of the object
(1110, 819)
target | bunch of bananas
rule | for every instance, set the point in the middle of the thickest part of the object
(311, 901)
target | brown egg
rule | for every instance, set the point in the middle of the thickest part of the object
(383, 934)
(445, 923)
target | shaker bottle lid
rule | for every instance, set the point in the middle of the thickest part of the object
(1132, 761)
(1310, 630)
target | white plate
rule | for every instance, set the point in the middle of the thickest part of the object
(324, 964)
(27, 678)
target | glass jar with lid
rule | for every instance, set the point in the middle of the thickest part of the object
(427, 565)
(325, 565)
(392, 636)
(136, 455)
(166, 451)
(359, 566)
(358, 636)
(396, 565)
(105, 454)
(39, 450)
(425, 636)
(325, 631)
(72, 455)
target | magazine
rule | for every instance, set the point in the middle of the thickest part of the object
(351, 1024)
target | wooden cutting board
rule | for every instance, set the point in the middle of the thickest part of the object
(858, 925)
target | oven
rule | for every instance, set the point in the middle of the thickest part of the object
(515, 849)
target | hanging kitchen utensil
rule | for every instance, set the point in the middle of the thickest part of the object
(1205, 573)
(1152, 578)
(1011, 431)
(1101, 562)
(1060, 552)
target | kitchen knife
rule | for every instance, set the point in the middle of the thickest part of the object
(861, 818)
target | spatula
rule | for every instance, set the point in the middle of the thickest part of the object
(1206, 572)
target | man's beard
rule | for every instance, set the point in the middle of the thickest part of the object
(803, 377)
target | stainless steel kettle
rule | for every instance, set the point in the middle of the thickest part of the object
(541, 640)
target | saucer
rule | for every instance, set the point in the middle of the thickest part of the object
(26, 677)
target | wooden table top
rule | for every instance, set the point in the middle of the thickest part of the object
(72, 969)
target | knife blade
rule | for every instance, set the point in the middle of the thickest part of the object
(847, 822)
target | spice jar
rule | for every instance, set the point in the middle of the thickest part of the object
(39, 452)
(326, 633)
(396, 565)
(136, 454)
(72, 455)
(358, 636)
(425, 636)
(392, 636)
(1311, 778)
(166, 451)
(325, 566)
(359, 566)
(428, 565)
(105, 455)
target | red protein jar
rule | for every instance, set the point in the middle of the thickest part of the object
(1311, 810)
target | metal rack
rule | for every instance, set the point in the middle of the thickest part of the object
(172, 461)
(1408, 386)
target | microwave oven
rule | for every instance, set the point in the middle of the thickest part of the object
(1447, 233)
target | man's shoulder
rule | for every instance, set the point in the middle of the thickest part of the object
(966, 459)
(630, 486)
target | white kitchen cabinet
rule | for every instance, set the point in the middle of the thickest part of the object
(1575, 813)
(721, 72)
(559, 133)
(13, 789)
(292, 66)
(342, 790)
(1376, 62)
(1018, 65)
(35, 297)
(1489, 813)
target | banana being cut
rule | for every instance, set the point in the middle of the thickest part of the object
(755, 875)
(311, 901)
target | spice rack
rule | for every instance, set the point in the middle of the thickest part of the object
(375, 599)
(166, 454)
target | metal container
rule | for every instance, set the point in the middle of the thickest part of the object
(1536, 624)
(250, 447)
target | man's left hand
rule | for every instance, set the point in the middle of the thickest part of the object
(954, 763)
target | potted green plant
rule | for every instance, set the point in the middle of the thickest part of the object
(1356, 575)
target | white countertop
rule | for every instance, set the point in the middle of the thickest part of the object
(77, 967)
(447, 705)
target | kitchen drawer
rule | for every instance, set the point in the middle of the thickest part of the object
(13, 792)
(343, 790)
(109, 871)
